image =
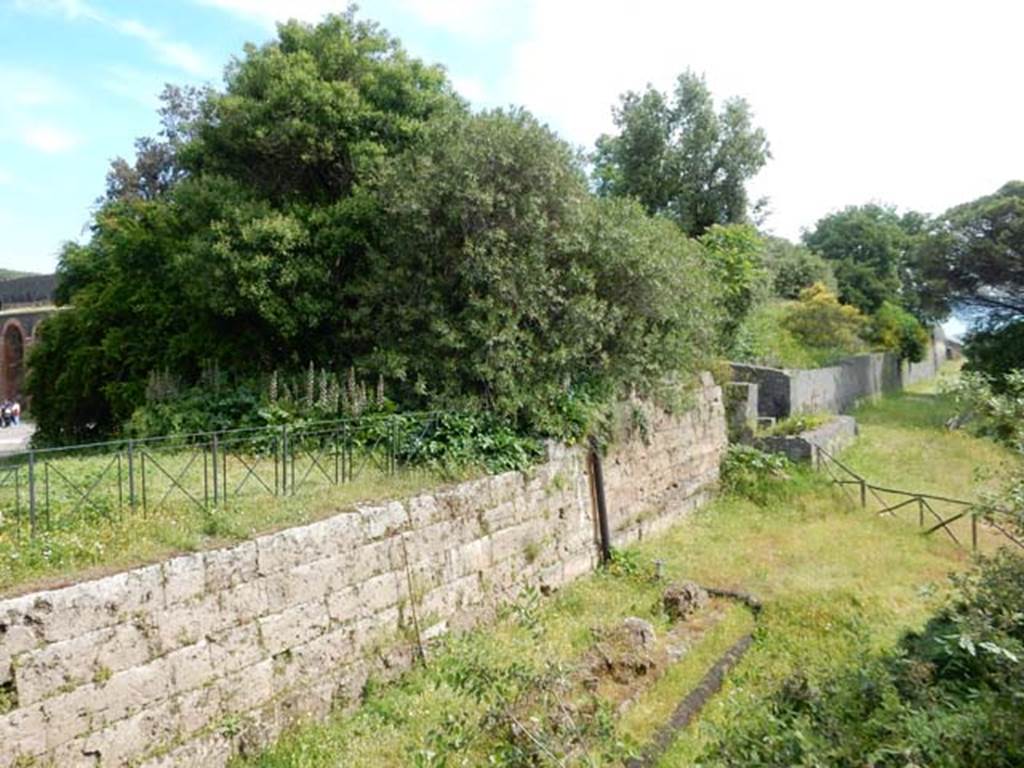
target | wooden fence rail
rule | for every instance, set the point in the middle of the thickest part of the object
(978, 514)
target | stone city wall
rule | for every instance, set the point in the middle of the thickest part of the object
(835, 389)
(189, 661)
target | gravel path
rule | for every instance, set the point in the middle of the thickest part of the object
(14, 439)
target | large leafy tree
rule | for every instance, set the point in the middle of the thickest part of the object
(972, 261)
(498, 280)
(793, 267)
(974, 257)
(234, 237)
(680, 157)
(868, 248)
(337, 204)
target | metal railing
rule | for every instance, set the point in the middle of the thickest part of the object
(939, 512)
(49, 488)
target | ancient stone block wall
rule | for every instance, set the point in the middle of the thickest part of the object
(837, 388)
(186, 662)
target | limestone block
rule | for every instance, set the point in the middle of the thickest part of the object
(96, 705)
(43, 672)
(184, 579)
(226, 568)
(247, 688)
(15, 639)
(475, 556)
(498, 517)
(241, 604)
(423, 510)
(61, 614)
(189, 622)
(382, 591)
(294, 626)
(198, 708)
(235, 648)
(286, 549)
(211, 750)
(302, 584)
(376, 558)
(125, 741)
(22, 734)
(383, 519)
(191, 666)
(343, 605)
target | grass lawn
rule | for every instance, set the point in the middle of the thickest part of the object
(838, 583)
(101, 538)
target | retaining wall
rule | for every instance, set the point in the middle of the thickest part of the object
(834, 436)
(835, 389)
(187, 662)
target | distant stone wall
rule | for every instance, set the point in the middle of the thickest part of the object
(835, 389)
(187, 662)
(833, 437)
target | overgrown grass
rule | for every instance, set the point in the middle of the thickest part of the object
(838, 583)
(794, 425)
(102, 538)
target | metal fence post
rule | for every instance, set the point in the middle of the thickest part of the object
(920, 512)
(974, 532)
(32, 492)
(213, 460)
(284, 459)
(131, 476)
(863, 493)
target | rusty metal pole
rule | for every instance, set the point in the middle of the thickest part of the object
(602, 506)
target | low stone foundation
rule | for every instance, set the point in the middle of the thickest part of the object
(833, 437)
(187, 662)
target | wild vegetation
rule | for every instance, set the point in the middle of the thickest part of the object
(337, 204)
(826, 609)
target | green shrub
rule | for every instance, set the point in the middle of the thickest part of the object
(947, 696)
(733, 257)
(986, 412)
(792, 268)
(819, 321)
(893, 329)
(754, 474)
(995, 351)
(786, 334)
(794, 425)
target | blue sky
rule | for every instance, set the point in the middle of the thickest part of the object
(914, 103)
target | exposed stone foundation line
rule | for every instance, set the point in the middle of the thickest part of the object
(709, 685)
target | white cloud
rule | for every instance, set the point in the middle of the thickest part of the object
(473, 88)
(177, 54)
(23, 87)
(137, 86)
(270, 12)
(907, 102)
(48, 138)
(476, 19)
(5, 177)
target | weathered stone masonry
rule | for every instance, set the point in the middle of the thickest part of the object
(185, 662)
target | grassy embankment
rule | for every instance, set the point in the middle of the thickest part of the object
(87, 528)
(838, 583)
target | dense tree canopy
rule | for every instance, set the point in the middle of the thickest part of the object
(973, 257)
(792, 268)
(868, 248)
(337, 204)
(679, 157)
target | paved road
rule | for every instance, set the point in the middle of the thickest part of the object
(13, 439)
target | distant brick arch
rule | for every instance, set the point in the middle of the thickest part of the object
(17, 333)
